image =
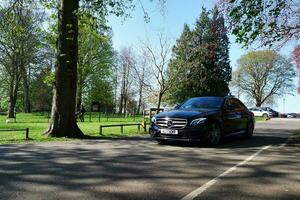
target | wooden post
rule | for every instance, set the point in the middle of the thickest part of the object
(27, 133)
(139, 127)
(122, 129)
(145, 126)
(100, 132)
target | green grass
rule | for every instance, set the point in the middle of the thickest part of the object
(38, 123)
(260, 119)
(297, 134)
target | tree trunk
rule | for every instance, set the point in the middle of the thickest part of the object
(79, 94)
(63, 123)
(122, 96)
(159, 102)
(13, 91)
(27, 105)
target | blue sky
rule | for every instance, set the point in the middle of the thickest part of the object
(177, 12)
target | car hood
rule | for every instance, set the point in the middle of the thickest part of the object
(187, 114)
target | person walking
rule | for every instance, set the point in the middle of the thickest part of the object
(81, 113)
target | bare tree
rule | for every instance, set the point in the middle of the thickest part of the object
(141, 73)
(158, 58)
(127, 62)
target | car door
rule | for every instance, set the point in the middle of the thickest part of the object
(243, 111)
(231, 117)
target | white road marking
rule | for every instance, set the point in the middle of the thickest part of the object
(210, 183)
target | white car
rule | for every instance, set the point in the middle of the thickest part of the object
(258, 112)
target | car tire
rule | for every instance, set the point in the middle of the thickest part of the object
(265, 115)
(249, 131)
(214, 134)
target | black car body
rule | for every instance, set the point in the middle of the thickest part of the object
(274, 112)
(201, 119)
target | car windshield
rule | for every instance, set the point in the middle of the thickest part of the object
(202, 103)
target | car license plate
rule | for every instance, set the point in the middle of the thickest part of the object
(168, 131)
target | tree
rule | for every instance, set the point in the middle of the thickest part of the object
(127, 61)
(62, 123)
(263, 75)
(266, 21)
(296, 57)
(141, 71)
(201, 59)
(158, 59)
(95, 60)
(19, 41)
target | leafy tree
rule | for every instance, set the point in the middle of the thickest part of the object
(19, 43)
(63, 122)
(95, 62)
(263, 75)
(201, 59)
(267, 21)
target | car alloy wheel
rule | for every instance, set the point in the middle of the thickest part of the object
(214, 134)
(265, 115)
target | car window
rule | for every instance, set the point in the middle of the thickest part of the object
(203, 103)
(234, 104)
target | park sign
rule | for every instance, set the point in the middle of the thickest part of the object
(95, 107)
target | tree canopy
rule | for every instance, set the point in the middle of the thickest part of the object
(200, 59)
(266, 21)
(262, 76)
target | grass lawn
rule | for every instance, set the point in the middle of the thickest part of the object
(260, 119)
(38, 123)
(297, 133)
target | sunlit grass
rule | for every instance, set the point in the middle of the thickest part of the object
(38, 123)
(260, 119)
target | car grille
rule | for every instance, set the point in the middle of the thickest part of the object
(171, 123)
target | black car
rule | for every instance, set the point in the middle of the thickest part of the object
(203, 119)
(268, 109)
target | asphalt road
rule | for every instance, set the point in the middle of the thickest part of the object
(260, 168)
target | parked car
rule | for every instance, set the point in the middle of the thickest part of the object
(258, 112)
(291, 115)
(268, 109)
(203, 119)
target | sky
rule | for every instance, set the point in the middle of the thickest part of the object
(133, 30)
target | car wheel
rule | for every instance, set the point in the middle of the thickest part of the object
(214, 134)
(249, 131)
(265, 115)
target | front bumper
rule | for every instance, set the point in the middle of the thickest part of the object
(197, 133)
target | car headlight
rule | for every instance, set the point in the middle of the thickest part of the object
(153, 120)
(198, 121)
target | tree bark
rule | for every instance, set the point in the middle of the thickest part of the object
(79, 93)
(63, 123)
(27, 105)
(13, 89)
(12, 99)
(159, 102)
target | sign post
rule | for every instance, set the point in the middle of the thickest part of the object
(95, 107)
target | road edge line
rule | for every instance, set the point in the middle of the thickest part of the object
(210, 183)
